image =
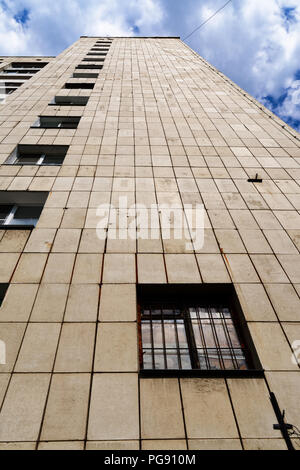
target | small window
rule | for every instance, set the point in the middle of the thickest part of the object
(14, 215)
(57, 122)
(99, 49)
(12, 74)
(37, 155)
(20, 210)
(69, 101)
(28, 65)
(96, 59)
(102, 54)
(193, 332)
(3, 289)
(76, 85)
(85, 74)
(26, 72)
(90, 66)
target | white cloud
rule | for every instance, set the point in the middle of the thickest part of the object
(290, 107)
(251, 41)
(54, 24)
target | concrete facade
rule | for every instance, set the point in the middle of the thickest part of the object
(161, 125)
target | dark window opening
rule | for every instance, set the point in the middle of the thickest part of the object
(89, 66)
(186, 329)
(20, 210)
(3, 289)
(99, 49)
(38, 155)
(86, 86)
(96, 59)
(85, 74)
(101, 54)
(57, 122)
(28, 65)
(69, 101)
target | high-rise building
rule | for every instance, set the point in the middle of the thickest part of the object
(149, 254)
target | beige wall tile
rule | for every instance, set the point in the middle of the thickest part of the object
(118, 303)
(264, 444)
(112, 445)
(272, 347)
(18, 302)
(171, 444)
(66, 411)
(59, 268)
(240, 268)
(182, 269)
(82, 303)
(90, 243)
(161, 414)
(75, 349)
(207, 408)
(254, 302)
(13, 241)
(151, 269)
(65, 445)
(8, 262)
(50, 303)
(24, 403)
(66, 241)
(30, 268)
(17, 446)
(116, 348)
(285, 301)
(12, 335)
(40, 241)
(4, 380)
(213, 269)
(285, 385)
(114, 407)
(119, 269)
(256, 419)
(87, 269)
(215, 444)
(38, 348)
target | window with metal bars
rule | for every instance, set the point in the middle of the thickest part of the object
(190, 337)
(199, 336)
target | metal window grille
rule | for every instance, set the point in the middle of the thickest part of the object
(201, 337)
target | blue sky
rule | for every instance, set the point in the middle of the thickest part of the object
(254, 42)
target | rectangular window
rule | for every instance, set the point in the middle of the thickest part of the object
(95, 59)
(76, 85)
(20, 210)
(69, 101)
(90, 66)
(198, 333)
(36, 66)
(38, 155)
(10, 74)
(85, 74)
(102, 54)
(3, 289)
(99, 49)
(57, 122)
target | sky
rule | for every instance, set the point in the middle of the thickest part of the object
(254, 42)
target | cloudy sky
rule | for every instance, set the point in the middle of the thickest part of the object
(254, 42)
